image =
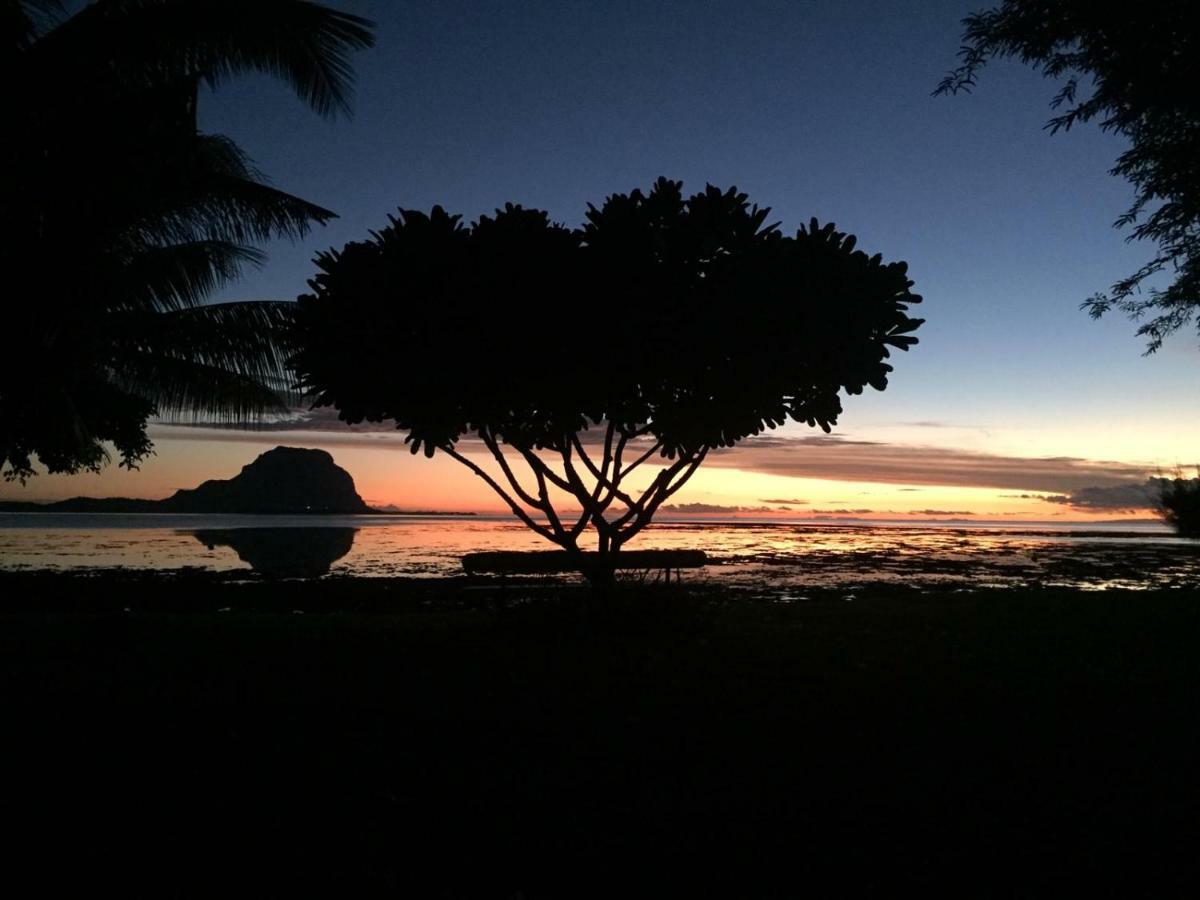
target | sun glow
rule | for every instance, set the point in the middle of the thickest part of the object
(753, 494)
(387, 475)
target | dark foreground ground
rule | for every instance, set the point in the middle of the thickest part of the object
(441, 740)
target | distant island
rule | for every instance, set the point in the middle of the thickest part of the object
(392, 510)
(283, 481)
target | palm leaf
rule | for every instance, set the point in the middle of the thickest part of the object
(132, 217)
(179, 276)
(217, 207)
(251, 337)
(207, 190)
(227, 360)
(23, 20)
(176, 386)
(145, 43)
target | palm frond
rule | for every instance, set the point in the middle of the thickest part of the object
(223, 198)
(225, 362)
(132, 218)
(178, 276)
(228, 209)
(248, 338)
(143, 43)
(182, 388)
(23, 20)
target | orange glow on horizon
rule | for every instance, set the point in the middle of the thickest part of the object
(386, 474)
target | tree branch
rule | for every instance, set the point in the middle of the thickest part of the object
(520, 513)
(609, 432)
(641, 459)
(601, 480)
(660, 480)
(601, 476)
(660, 490)
(587, 460)
(539, 466)
(489, 440)
(664, 493)
(581, 492)
(548, 508)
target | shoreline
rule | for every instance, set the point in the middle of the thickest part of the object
(164, 590)
(1140, 527)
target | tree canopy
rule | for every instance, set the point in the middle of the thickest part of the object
(1135, 69)
(664, 327)
(123, 217)
(1179, 504)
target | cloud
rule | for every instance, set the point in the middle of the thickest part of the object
(842, 512)
(849, 460)
(1116, 497)
(814, 456)
(940, 512)
(692, 509)
(788, 502)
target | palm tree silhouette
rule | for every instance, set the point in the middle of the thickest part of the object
(122, 217)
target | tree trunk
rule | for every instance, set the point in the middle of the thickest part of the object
(600, 571)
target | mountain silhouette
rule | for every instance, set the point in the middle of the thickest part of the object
(283, 480)
(286, 480)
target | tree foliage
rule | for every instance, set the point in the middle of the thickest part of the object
(663, 328)
(1133, 68)
(123, 217)
(1179, 504)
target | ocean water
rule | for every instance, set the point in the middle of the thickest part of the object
(788, 556)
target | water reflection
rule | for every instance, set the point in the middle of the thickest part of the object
(283, 552)
(776, 557)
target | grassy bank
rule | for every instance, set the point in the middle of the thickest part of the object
(1000, 743)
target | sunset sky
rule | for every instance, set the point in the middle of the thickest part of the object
(1014, 404)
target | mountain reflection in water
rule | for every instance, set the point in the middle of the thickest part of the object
(283, 552)
(783, 558)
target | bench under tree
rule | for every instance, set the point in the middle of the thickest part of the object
(560, 562)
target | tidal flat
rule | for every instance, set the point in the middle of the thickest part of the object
(183, 735)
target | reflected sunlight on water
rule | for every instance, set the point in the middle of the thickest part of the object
(748, 555)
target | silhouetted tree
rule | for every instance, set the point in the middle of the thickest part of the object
(122, 217)
(662, 329)
(1141, 62)
(1179, 504)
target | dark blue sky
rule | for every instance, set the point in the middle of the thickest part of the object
(813, 107)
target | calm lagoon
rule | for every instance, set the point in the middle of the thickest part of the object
(787, 556)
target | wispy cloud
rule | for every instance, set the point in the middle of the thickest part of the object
(856, 460)
(709, 508)
(817, 456)
(792, 502)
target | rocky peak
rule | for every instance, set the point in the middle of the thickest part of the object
(283, 480)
